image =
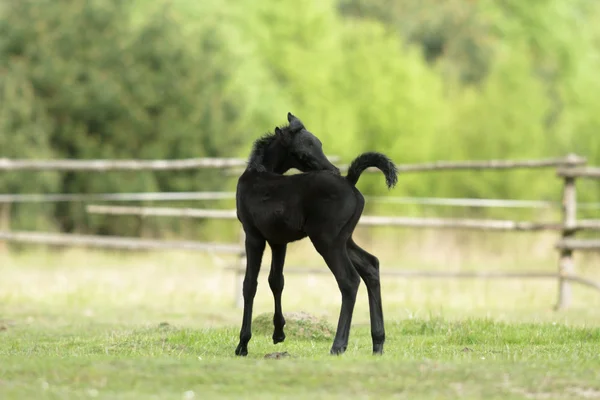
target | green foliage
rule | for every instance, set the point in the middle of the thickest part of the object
(24, 133)
(486, 128)
(388, 85)
(518, 83)
(24, 126)
(425, 359)
(449, 32)
(109, 90)
(352, 82)
(419, 80)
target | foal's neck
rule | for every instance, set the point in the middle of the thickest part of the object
(268, 155)
(274, 159)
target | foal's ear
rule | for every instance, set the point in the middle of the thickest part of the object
(295, 123)
(284, 136)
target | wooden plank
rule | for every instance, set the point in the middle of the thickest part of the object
(156, 196)
(453, 223)
(423, 273)
(465, 202)
(408, 222)
(444, 274)
(579, 244)
(128, 243)
(570, 160)
(587, 224)
(189, 196)
(584, 172)
(476, 165)
(113, 165)
(130, 165)
(162, 212)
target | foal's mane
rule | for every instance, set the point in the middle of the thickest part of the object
(259, 148)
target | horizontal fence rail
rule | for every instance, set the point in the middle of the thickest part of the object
(369, 220)
(579, 244)
(462, 202)
(474, 224)
(191, 196)
(567, 168)
(162, 212)
(159, 196)
(108, 165)
(570, 160)
(132, 165)
(585, 172)
(448, 274)
(116, 242)
(195, 163)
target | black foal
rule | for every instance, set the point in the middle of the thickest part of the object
(320, 204)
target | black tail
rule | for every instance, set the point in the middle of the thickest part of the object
(373, 159)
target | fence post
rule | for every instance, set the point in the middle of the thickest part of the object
(240, 272)
(566, 264)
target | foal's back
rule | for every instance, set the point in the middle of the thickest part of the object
(288, 208)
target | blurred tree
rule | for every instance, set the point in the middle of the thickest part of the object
(24, 133)
(418, 80)
(398, 104)
(564, 43)
(110, 90)
(451, 33)
(551, 46)
(504, 117)
(351, 81)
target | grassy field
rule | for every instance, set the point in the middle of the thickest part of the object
(104, 325)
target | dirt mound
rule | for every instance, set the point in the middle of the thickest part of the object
(4, 324)
(298, 325)
(277, 355)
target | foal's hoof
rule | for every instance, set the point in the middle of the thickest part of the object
(278, 337)
(378, 349)
(241, 351)
(337, 351)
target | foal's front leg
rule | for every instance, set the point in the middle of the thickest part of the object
(255, 247)
(276, 282)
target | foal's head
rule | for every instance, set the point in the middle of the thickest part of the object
(292, 146)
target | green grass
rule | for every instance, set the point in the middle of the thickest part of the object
(424, 358)
(163, 326)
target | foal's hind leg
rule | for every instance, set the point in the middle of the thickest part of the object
(276, 282)
(367, 266)
(348, 280)
(255, 246)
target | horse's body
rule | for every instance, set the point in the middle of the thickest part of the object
(319, 204)
(285, 209)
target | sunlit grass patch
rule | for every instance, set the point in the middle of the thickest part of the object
(424, 358)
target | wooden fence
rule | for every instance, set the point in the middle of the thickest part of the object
(569, 169)
(118, 165)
